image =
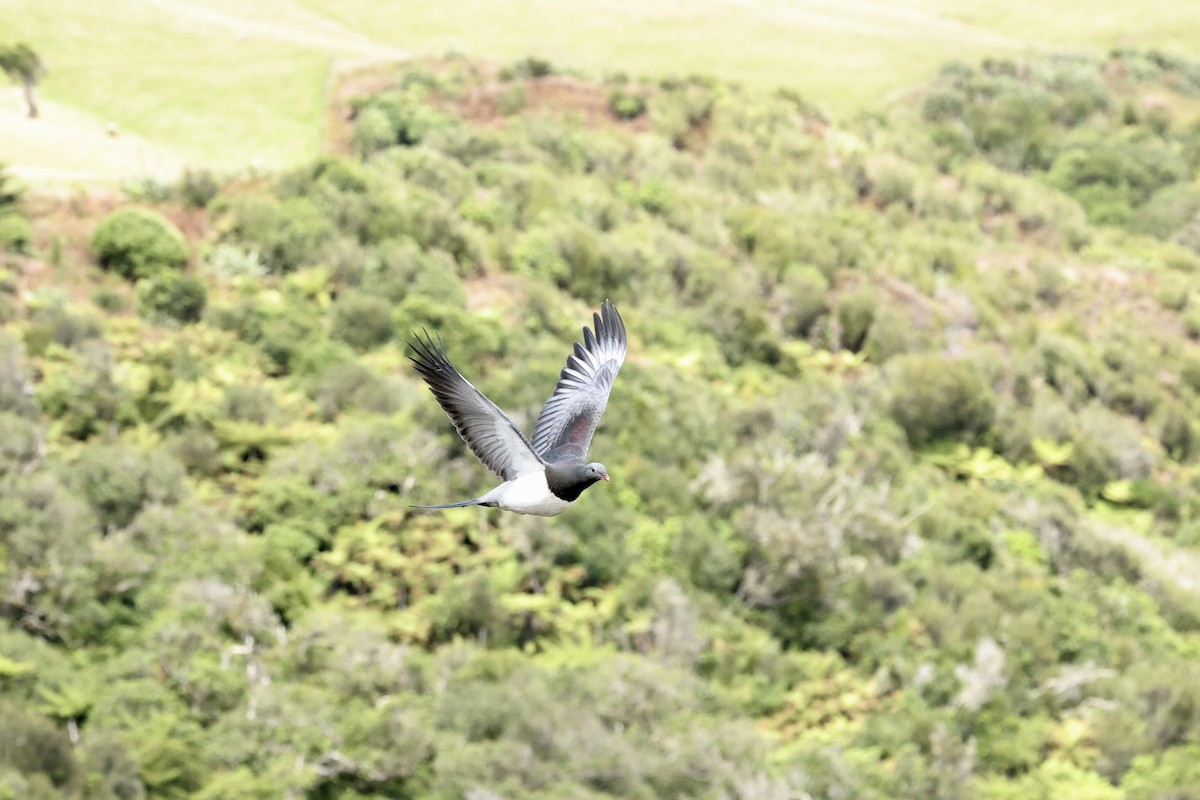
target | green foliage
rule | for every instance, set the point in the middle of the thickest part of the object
(625, 104)
(172, 296)
(361, 320)
(118, 482)
(138, 243)
(198, 187)
(1110, 179)
(932, 396)
(903, 457)
(16, 234)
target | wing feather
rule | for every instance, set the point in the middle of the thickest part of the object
(565, 427)
(492, 436)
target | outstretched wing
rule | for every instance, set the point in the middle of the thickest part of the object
(564, 429)
(487, 430)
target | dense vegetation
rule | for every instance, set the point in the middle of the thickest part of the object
(904, 457)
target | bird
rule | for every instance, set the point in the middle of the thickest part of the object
(546, 475)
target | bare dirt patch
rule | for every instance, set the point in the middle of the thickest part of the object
(482, 101)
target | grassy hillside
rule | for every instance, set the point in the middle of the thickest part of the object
(221, 84)
(904, 456)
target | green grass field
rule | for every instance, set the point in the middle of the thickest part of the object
(225, 84)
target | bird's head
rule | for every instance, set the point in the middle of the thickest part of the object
(597, 471)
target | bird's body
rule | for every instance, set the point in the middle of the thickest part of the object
(545, 476)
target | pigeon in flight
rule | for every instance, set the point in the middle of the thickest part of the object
(545, 476)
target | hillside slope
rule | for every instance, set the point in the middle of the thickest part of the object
(904, 456)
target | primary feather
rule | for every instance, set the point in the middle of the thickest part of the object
(565, 427)
(492, 436)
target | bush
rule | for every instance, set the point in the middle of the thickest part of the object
(138, 243)
(625, 104)
(108, 300)
(119, 481)
(802, 300)
(855, 313)
(361, 320)
(172, 296)
(249, 404)
(198, 187)
(16, 234)
(373, 131)
(934, 396)
(1167, 211)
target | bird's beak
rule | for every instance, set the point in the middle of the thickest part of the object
(604, 475)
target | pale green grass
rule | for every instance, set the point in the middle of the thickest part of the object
(843, 56)
(227, 82)
(200, 91)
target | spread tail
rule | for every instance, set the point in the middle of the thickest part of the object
(474, 501)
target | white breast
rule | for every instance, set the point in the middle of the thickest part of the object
(527, 494)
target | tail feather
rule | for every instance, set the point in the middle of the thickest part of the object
(474, 501)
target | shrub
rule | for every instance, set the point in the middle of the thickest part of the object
(892, 333)
(16, 234)
(934, 396)
(284, 236)
(1110, 178)
(108, 300)
(349, 384)
(511, 100)
(58, 324)
(361, 320)
(138, 243)
(1167, 211)
(172, 296)
(432, 170)
(198, 187)
(373, 131)
(287, 332)
(802, 299)
(855, 313)
(249, 403)
(398, 268)
(532, 67)
(625, 104)
(119, 481)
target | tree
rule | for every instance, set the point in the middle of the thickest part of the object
(23, 65)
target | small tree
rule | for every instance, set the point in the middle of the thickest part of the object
(24, 66)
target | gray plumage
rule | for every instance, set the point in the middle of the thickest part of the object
(547, 475)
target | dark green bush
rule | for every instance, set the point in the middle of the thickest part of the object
(172, 296)
(119, 481)
(400, 268)
(855, 312)
(934, 396)
(1111, 177)
(532, 67)
(802, 299)
(625, 104)
(35, 746)
(285, 235)
(16, 234)
(109, 300)
(1167, 211)
(139, 243)
(361, 320)
(249, 403)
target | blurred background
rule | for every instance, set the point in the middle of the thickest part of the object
(904, 456)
